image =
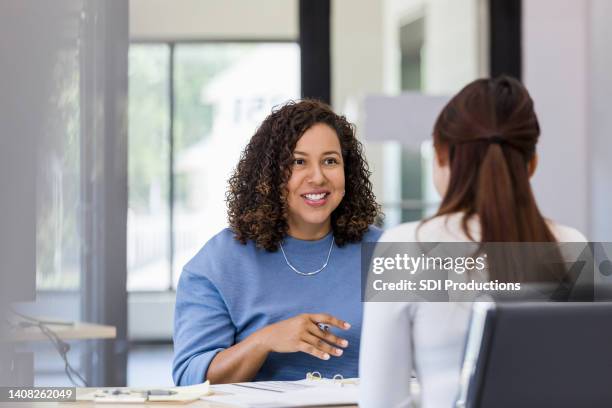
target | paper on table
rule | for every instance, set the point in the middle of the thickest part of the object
(120, 399)
(316, 393)
(303, 398)
(330, 382)
(259, 387)
(183, 394)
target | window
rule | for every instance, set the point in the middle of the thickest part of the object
(436, 49)
(411, 38)
(148, 167)
(402, 180)
(58, 181)
(192, 109)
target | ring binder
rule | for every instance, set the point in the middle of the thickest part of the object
(337, 379)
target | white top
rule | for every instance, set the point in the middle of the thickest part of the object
(428, 336)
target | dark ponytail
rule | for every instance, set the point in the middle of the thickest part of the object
(489, 131)
(495, 197)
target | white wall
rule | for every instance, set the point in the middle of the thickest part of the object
(357, 50)
(453, 44)
(455, 36)
(214, 19)
(555, 70)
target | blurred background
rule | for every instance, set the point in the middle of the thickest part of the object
(123, 120)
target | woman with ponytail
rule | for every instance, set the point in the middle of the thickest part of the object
(485, 153)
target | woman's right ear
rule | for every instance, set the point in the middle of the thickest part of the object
(441, 170)
(441, 155)
(532, 165)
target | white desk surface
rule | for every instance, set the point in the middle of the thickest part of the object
(91, 404)
(77, 331)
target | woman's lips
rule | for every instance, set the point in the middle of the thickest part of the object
(315, 200)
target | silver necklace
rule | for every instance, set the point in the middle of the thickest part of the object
(307, 273)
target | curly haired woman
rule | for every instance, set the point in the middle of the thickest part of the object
(257, 301)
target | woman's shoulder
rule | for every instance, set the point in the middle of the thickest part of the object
(399, 233)
(447, 228)
(218, 250)
(373, 234)
(564, 233)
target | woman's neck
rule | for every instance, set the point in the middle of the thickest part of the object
(309, 232)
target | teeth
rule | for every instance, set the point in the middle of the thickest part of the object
(314, 197)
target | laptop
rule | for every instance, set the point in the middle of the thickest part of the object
(538, 355)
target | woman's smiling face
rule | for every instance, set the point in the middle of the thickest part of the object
(316, 186)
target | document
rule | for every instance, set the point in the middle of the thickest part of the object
(276, 394)
(272, 386)
(140, 395)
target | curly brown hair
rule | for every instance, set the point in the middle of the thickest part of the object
(256, 199)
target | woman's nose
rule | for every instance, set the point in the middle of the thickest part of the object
(316, 175)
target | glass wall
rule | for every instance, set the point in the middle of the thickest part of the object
(58, 192)
(63, 77)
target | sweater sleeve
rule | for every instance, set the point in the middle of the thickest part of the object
(202, 328)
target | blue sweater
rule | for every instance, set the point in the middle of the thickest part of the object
(229, 290)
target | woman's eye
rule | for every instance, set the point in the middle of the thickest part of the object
(298, 162)
(330, 161)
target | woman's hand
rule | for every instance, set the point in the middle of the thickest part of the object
(302, 333)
